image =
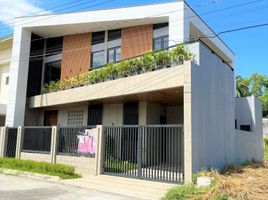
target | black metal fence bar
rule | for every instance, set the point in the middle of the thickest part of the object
(37, 139)
(72, 139)
(11, 142)
(153, 152)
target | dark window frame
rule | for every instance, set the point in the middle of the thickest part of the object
(92, 53)
(114, 54)
(114, 34)
(162, 42)
(98, 37)
(7, 80)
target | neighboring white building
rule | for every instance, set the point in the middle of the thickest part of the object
(198, 95)
(265, 127)
(5, 58)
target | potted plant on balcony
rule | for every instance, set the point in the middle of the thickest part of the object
(163, 59)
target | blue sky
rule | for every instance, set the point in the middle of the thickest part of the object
(250, 46)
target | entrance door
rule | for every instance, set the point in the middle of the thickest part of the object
(51, 118)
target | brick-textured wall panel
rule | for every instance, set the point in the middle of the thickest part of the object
(75, 54)
(136, 40)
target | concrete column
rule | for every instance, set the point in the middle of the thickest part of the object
(187, 123)
(3, 141)
(19, 144)
(54, 144)
(99, 157)
(18, 77)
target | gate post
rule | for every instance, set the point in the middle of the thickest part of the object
(3, 141)
(54, 144)
(19, 144)
(99, 156)
(139, 153)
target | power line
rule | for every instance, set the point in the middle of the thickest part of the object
(218, 10)
(193, 16)
(189, 40)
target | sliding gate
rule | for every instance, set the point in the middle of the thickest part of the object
(152, 152)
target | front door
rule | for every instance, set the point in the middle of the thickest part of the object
(51, 118)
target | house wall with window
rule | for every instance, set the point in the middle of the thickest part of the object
(5, 57)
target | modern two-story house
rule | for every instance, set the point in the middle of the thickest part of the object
(5, 58)
(56, 59)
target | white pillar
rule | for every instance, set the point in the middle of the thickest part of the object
(54, 144)
(3, 141)
(18, 77)
(99, 157)
(19, 144)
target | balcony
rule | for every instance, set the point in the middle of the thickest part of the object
(163, 79)
(147, 73)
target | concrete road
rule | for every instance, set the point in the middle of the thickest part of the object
(18, 188)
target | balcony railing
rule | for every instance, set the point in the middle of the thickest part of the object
(145, 63)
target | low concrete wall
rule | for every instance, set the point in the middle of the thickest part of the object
(36, 157)
(247, 146)
(83, 165)
(265, 127)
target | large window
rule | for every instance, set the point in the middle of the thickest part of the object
(98, 59)
(98, 37)
(161, 43)
(114, 54)
(114, 34)
(52, 71)
(54, 46)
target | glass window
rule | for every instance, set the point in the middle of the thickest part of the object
(7, 80)
(161, 25)
(114, 54)
(98, 59)
(52, 71)
(114, 34)
(98, 37)
(54, 46)
(160, 43)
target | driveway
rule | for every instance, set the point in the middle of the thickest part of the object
(19, 188)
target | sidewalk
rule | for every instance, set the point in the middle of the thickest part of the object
(124, 186)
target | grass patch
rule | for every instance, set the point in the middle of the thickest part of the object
(62, 171)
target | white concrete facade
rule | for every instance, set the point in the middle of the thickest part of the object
(208, 110)
(179, 15)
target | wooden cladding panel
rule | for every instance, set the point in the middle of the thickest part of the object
(136, 40)
(76, 54)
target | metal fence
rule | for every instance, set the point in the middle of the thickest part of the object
(76, 141)
(11, 142)
(37, 139)
(145, 152)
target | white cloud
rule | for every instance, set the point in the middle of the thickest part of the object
(10, 9)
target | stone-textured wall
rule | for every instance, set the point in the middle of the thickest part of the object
(83, 165)
(36, 157)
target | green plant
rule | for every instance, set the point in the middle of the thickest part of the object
(181, 52)
(162, 58)
(221, 197)
(266, 149)
(181, 192)
(146, 62)
(62, 171)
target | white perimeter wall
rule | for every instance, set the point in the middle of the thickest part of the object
(212, 111)
(265, 127)
(248, 145)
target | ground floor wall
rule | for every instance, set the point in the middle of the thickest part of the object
(112, 114)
